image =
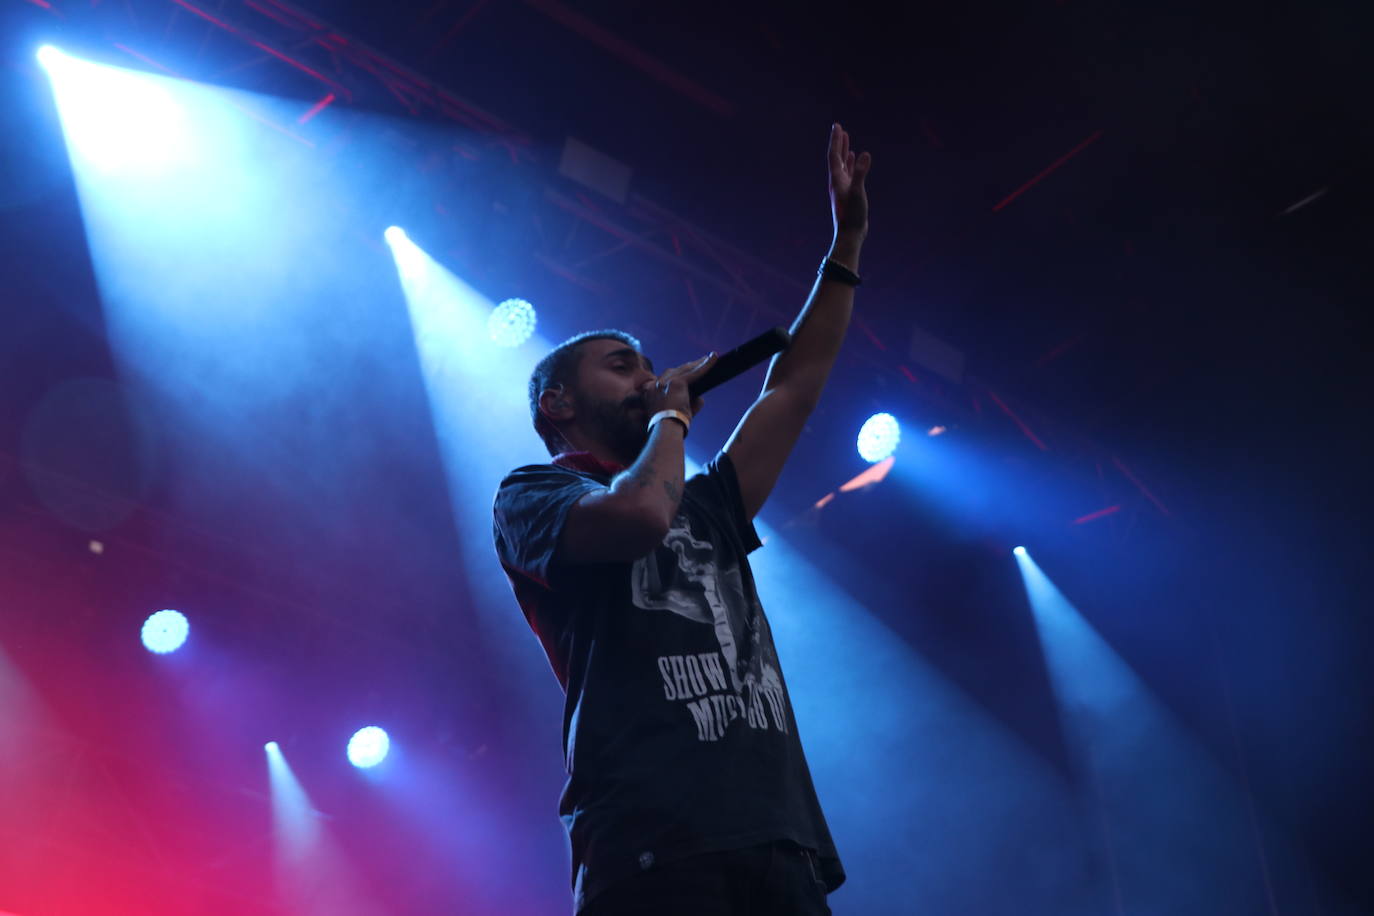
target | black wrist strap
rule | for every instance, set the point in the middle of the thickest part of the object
(834, 270)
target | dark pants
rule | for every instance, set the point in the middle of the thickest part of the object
(776, 879)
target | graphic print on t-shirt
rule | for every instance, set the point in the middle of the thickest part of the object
(682, 576)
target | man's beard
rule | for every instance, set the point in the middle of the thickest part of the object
(613, 424)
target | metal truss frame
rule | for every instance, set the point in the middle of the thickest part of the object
(716, 290)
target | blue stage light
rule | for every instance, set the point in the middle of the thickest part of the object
(511, 323)
(165, 631)
(879, 437)
(116, 120)
(49, 56)
(368, 747)
(411, 262)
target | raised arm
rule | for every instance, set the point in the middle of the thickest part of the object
(771, 426)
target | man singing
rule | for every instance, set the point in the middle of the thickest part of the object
(688, 791)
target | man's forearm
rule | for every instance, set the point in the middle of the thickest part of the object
(654, 481)
(818, 332)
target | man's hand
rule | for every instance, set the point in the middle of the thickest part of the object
(848, 198)
(669, 390)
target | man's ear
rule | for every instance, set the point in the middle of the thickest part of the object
(555, 404)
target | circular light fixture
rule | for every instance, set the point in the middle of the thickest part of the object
(165, 631)
(511, 323)
(878, 437)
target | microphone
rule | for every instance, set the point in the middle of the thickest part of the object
(741, 359)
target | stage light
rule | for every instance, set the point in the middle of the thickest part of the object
(1019, 551)
(49, 56)
(410, 259)
(878, 437)
(116, 120)
(368, 747)
(165, 631)
(511, 323)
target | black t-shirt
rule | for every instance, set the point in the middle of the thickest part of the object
(678, 734)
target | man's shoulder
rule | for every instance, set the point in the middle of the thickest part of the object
(541, 481)
(526, 470)
(529, 473)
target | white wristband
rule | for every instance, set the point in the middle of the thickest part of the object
(677, 415)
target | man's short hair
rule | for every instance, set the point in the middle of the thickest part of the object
(559, 367)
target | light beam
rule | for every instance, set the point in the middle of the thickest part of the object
(1164, 807)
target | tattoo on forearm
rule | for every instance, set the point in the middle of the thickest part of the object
(643, 477)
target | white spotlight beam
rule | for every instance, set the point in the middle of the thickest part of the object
(312, 873)
(1164, 804)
